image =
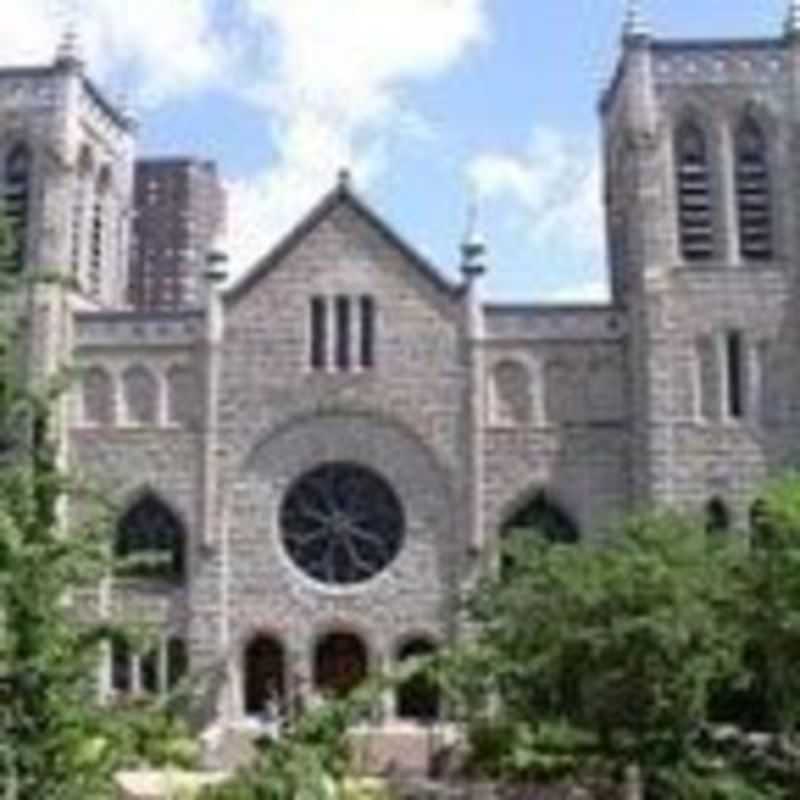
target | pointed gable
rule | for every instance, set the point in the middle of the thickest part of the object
(341, 195)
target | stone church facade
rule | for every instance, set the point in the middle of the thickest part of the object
(317, 461)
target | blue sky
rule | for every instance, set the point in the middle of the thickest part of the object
(430, 102)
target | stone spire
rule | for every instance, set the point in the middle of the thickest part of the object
(634, 26)
(793, 18)
(69, 52)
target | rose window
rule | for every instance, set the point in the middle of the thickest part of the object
(342, 524)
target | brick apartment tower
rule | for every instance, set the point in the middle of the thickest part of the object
(179, 209)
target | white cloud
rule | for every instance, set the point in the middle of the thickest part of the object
(336, 95)
(328, 76)
(551, 192)
(154, 48)
(591, 291)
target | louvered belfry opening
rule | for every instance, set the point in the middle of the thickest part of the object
(752, 192)
(695, 217)
(16, 199)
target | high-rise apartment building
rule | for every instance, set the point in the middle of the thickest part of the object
(179, 208)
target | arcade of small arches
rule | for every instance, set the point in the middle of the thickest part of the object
(139, 396)
(524, 392)
(341, 660)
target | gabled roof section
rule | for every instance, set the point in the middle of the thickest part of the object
(342, 194)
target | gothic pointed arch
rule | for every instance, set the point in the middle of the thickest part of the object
(17, 173)
(693, 191)
(150, 540)
(754, 215)
(539, 516)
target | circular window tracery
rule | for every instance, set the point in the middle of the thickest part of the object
(342, 524)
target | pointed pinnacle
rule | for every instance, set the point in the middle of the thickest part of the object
(634, 26)
(793, 18)
(473, 246)
(69, 48)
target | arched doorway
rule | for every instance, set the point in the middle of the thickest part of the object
(340, 663)
(264, 675)
(541, 517)
(718, 518)
(418, 697)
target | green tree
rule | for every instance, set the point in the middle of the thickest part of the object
(56, 741)
(602, 657)
(770, 610)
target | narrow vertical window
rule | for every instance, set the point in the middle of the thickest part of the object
(98, 234)
(343, 333)
(177, 662)
(695, 219)
(121, 672)
(16, 200)
(752, 192)
(736, 388)
(148, 671)
(367, 332)
(319, 331)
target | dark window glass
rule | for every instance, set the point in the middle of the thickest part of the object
(150, 541)
(735, 375)
(319, 333)
(753, 192)
(177, 661)
(340, 664)
(16, 199)
(343, 333)
(718, 518)
(538, 517)
(695, 217)
(121, 665)
(264, 678)
(149, 671)
(342, 523)
(367, 332)
(418, 696)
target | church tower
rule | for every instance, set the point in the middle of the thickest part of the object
(700, 143)
(66, 161)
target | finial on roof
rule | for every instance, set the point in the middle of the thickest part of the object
(344, 177)
(69, 52)
(216, 260)
(126, 110)
(793, 18)
(634, 27)
(473, 247)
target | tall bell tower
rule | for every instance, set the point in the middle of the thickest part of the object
(701, 208)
